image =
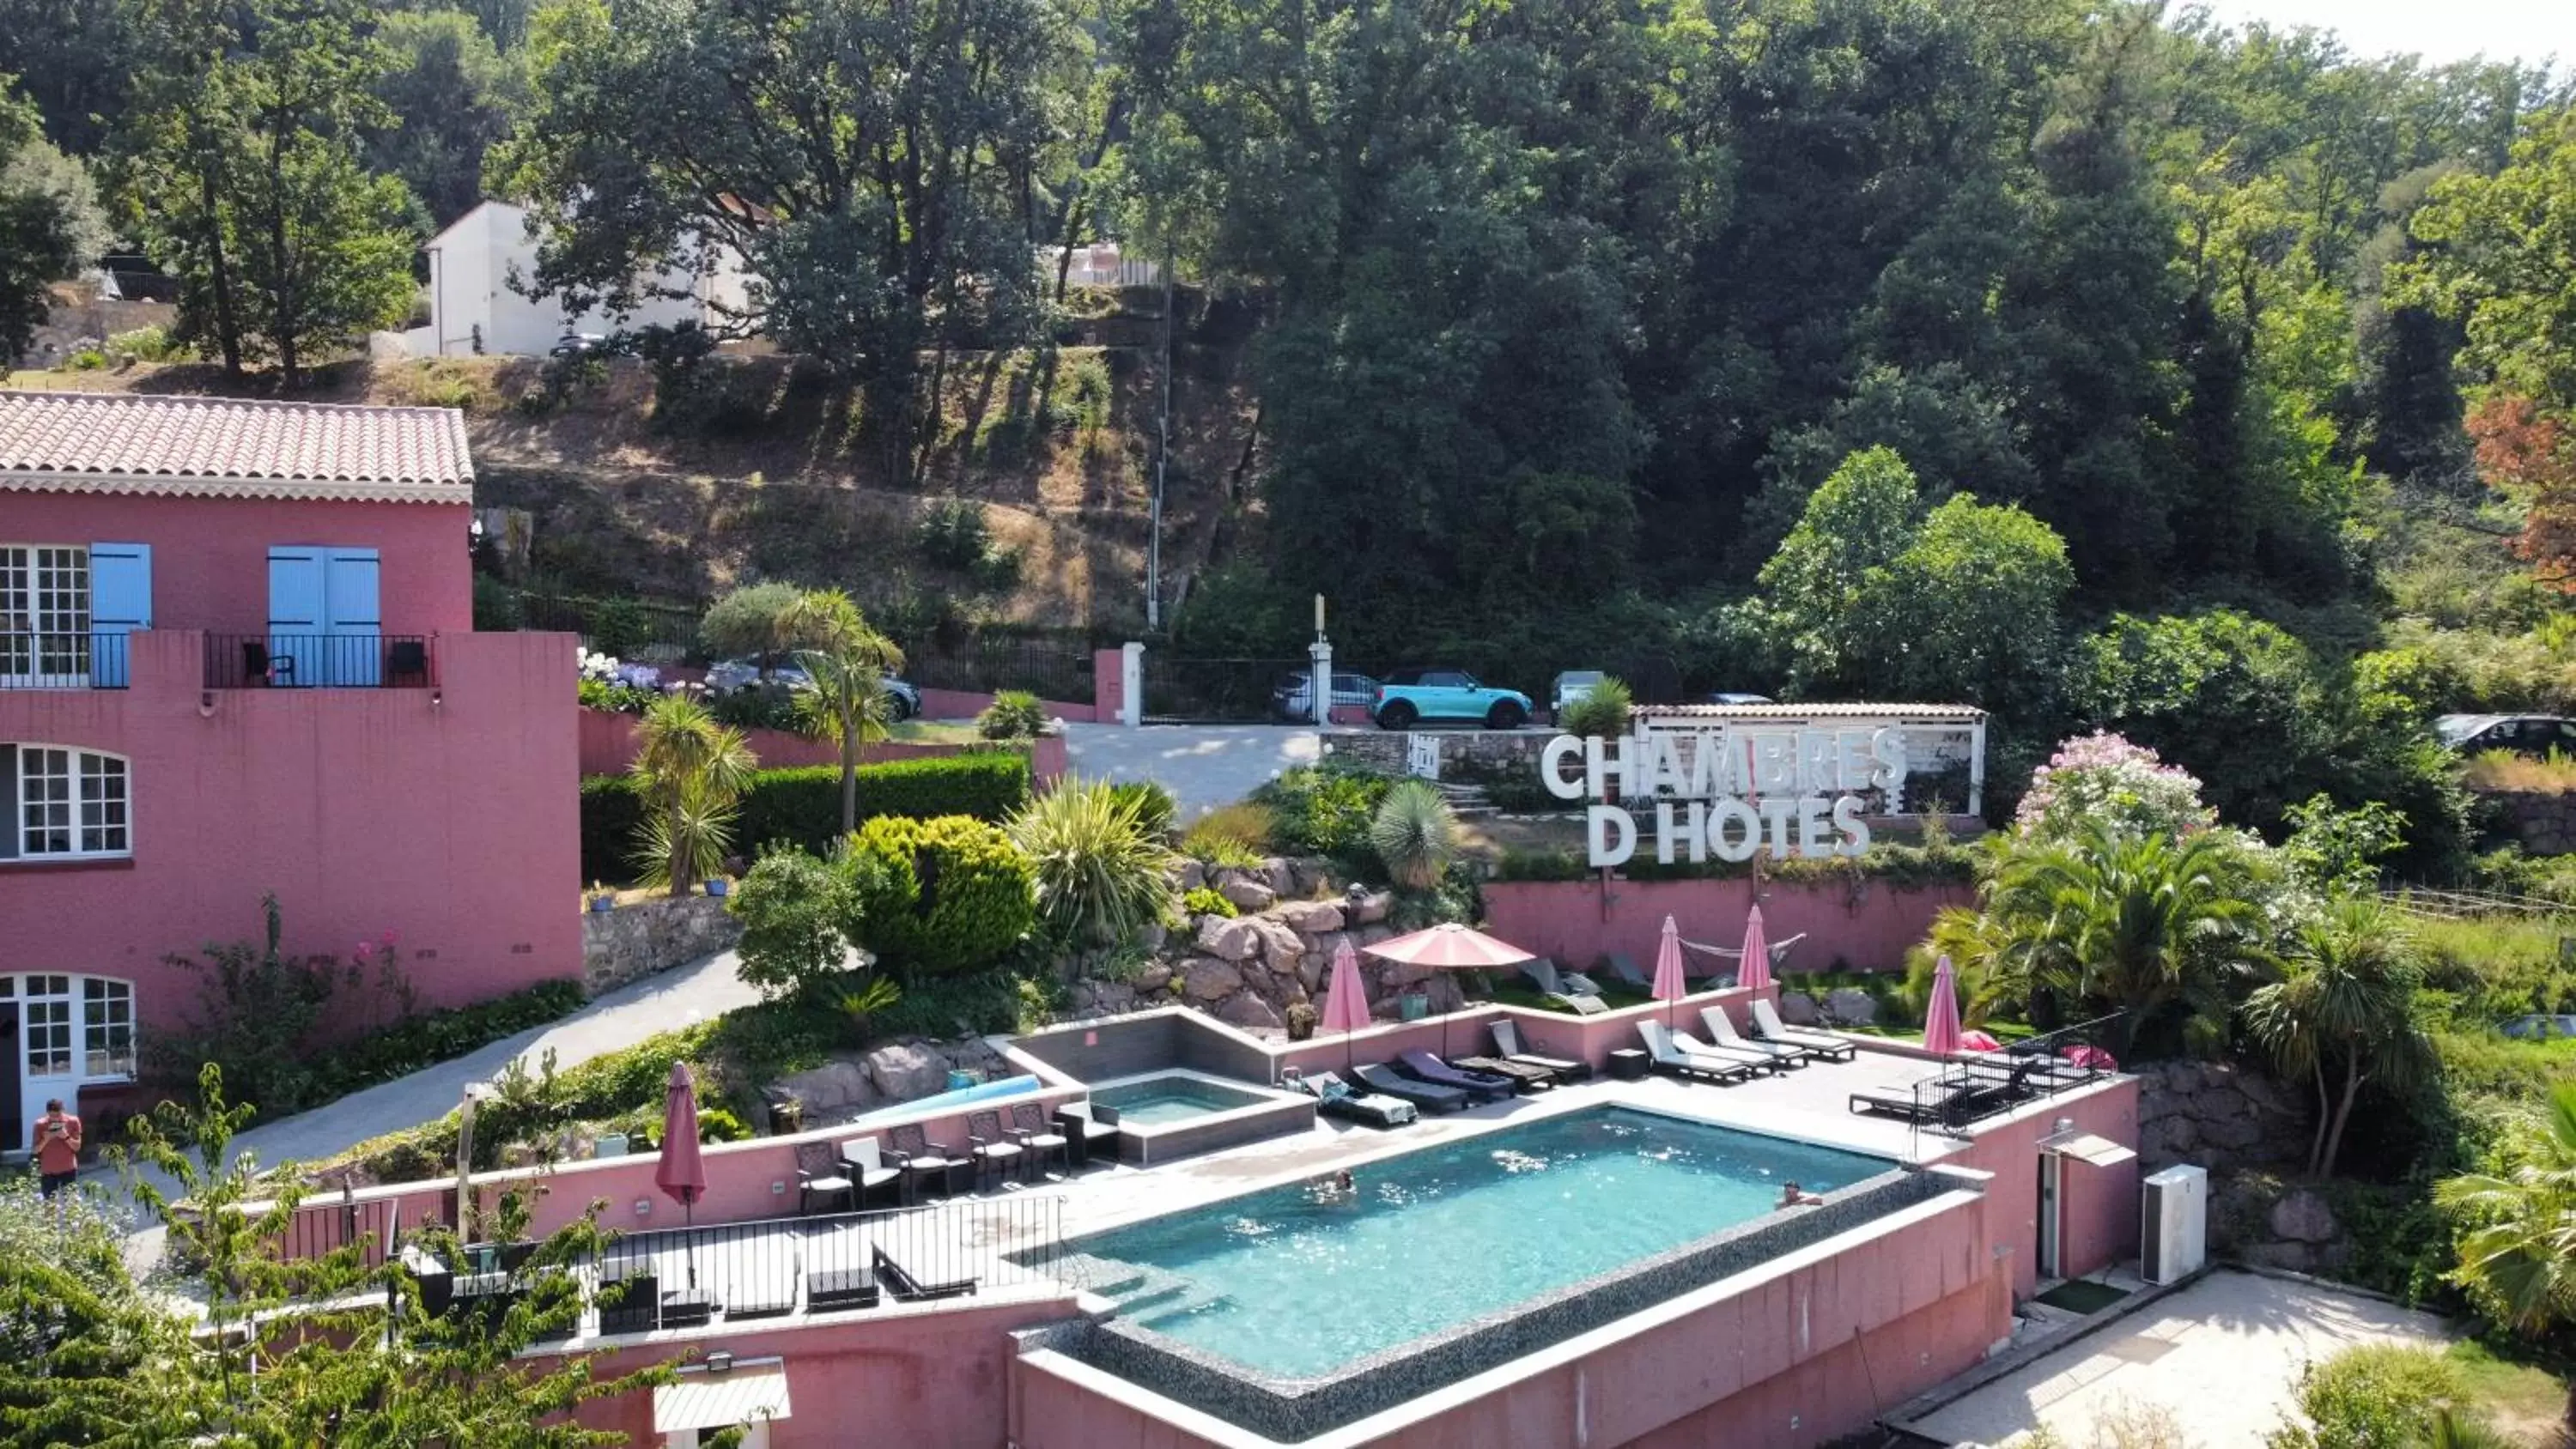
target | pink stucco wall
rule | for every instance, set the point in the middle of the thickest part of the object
(2098, 1219)
(934, 1380)
(1868, 929)
(450, 823)
(210, 555)
(608, 748)
(1796, 1356)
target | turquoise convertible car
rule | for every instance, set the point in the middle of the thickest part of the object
(1417, 696)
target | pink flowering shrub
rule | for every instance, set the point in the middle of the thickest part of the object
(2103, 778)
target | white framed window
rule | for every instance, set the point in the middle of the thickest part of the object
(107, 1027)
(47, 1026)
(72, 804)
(44, 613)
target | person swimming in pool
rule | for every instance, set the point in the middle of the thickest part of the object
(1792, 1195)
(1340, 1187)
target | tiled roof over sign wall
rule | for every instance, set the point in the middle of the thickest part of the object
(232, 448)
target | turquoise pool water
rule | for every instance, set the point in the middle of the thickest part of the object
(1295, 1288)
(1164, 1100)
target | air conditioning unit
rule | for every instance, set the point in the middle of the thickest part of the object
(2175, 1215)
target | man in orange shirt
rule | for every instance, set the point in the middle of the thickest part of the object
(57, 1147)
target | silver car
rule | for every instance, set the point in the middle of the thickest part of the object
(729, 675)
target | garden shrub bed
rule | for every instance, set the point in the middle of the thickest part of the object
(803, 806)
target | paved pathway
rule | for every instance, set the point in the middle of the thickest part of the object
(2219, 1360)
(619, 1019)
(1204, 766)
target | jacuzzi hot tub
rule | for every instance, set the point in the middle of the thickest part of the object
(1177, 1112)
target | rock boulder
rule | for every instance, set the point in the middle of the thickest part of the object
(2302, 1216)
(1850, 1006)
(1250, 1012)
(904, 1071)
(833, 1089)
(1233, 938)
(1246, 893)
(1205, 980)
(1797, 1008)
(1311, 918)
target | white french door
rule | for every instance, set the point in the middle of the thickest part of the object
(44, 615)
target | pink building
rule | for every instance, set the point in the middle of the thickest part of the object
(237, 658)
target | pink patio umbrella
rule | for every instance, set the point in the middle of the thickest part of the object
(1451, 947)
(1755, 973)
(1669, 984)
(682, 1173)
(2091, 1057)
(1346, 1007)
(1979, 1041)
(1941, 1019)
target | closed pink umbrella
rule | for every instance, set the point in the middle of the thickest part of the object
(1941, 1019)
(1346, 1007)
(682, 1173)
(1669, 986)
(1755, 973)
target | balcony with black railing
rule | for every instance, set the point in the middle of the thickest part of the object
(84, 659)
(320, 661)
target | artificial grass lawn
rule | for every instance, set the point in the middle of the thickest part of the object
(2082, 1295)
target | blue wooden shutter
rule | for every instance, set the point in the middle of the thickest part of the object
(120, 602)
(297, 618)
(351, 609)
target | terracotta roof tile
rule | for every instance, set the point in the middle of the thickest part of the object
(226, 447)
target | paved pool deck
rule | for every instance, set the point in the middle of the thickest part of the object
(2221, 1356)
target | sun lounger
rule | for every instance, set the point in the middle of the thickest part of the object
(1507, 1038)
(1768, 1026)
(1722, 1032)
(1623, 969)
(1932, 1104)
(906, 1289)
(1334, 1098)
(1421, 1094)
(1575, 990)
(1482, 1085)
(1525, 1075)
(1758, 1061)
(1669, 1058)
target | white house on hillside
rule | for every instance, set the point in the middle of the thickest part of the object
(473, 309)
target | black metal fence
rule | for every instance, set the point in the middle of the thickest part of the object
(1179, 689)
(745, 1272)
(1975, 1086)
(1050, 666)
(320, 661)
(623, 627)
(80, 660)
(320, 1228)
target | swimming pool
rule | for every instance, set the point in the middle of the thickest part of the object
(1166, 1098)
(1294, 1288)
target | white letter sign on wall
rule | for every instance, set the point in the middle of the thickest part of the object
(1795, 790)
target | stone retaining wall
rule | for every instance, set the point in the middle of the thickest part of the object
(2540, 824)
(648, 937)
(1385, 749)
(2218, 1116)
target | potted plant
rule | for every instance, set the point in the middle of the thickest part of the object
(716, 886)
(602, 899)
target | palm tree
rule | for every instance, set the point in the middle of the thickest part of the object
(2137, 923)
(1415, 834)
(2345, 1011)
(2519, 1261)
(844, 697)
(691, 772)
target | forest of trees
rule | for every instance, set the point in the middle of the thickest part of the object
(2089, 363)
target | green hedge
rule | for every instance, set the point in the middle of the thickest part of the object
(803, 806)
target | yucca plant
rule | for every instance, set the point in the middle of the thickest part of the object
(1102, 875)
(1602, 712)
(1415, 834)
(691, 772)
